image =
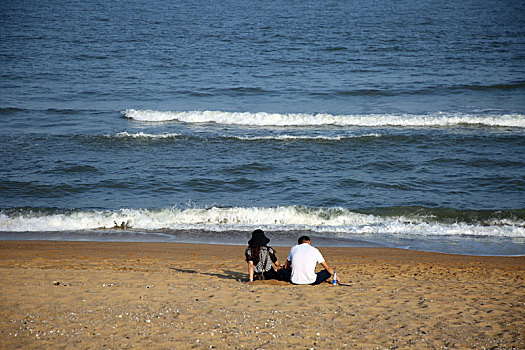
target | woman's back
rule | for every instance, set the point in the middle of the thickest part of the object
(262, 257)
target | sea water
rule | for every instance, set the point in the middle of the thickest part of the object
(371, 123)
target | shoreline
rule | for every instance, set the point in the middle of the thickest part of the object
(320, 242)
(184, 295)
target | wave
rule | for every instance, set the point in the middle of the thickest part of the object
(282, 137)
(425, 90)
(9, 110)
(506, 87)
(301, 119)
(304, 137)
(139, 135)
(335, 222)
(53, 111)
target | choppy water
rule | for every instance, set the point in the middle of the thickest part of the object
(360, 124)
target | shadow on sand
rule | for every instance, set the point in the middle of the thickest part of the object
(227, 274)
(231, 275)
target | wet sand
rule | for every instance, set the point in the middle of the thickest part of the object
(80, 295)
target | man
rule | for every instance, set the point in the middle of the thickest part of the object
(303, 259)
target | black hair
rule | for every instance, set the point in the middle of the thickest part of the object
(255, 253)
(303, 239)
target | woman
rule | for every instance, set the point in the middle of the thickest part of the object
(260, 257)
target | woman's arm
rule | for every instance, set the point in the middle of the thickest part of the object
(273, 257)
(250, 270)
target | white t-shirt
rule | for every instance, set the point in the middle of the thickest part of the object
(304, 258)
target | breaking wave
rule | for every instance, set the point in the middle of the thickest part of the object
(139, 135)
(284, 137)
(298, 119)
(304, 137)
(336, 222)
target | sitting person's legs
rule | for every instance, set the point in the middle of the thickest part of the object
(321, 277)
(284, 274)
(271, 274)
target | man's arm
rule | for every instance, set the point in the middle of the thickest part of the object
(287, 264)
(330, 270)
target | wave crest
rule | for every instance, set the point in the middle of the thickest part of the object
(139, 135)
(338, 222)
(303, 119)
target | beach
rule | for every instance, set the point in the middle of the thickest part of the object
(166, 295)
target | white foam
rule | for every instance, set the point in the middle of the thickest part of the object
(303, 137)
(336, 221)
(140, 135)
(145, 135)
(298, 119)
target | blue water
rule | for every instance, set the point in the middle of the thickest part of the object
(365, 123)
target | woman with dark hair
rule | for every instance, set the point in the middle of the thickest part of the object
(260, 257)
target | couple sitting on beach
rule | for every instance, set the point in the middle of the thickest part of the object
(299, 267)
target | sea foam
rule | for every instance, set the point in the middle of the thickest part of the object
(300, 119)
(139, 135)
(337, 222)
(304, 137)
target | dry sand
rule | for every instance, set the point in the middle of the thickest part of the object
(85, 295)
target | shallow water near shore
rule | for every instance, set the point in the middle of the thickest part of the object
(358, 125)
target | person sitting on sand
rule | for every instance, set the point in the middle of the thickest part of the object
(260, 257)
(301, 263)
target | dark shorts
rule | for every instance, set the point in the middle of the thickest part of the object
(271, 274)
(321, 276)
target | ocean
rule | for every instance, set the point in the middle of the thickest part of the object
(361, 124)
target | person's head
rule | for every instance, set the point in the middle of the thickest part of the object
(303, 239)
(258, 239)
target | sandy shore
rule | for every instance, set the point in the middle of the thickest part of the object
(80, 295)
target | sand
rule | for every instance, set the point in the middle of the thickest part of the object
(85, 295)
